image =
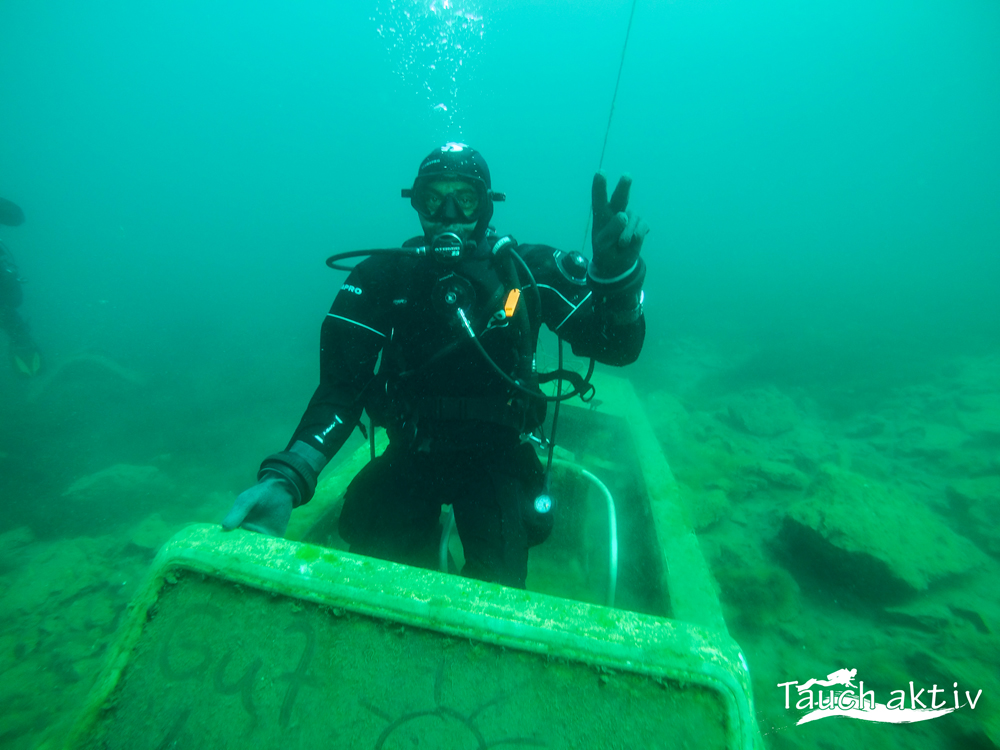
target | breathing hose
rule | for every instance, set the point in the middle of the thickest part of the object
(612, 526)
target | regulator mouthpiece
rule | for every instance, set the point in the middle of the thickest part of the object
(446, 248)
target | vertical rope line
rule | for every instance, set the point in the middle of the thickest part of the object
(611, 114)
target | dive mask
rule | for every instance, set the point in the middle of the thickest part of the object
(451, 199)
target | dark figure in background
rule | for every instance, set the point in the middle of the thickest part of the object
(457, 422)
(24, 356)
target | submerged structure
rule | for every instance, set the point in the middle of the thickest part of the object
(238, 639)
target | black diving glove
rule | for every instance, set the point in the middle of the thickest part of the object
(265, 508)
(286, 480)
(618, 233)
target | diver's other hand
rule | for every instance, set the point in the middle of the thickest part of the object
(618, 233)
(25, 360)
(264, 508)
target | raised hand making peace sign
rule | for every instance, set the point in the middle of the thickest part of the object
(618, 233)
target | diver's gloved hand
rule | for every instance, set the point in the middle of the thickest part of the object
(25, 360)
(618, 233)
(265, 508)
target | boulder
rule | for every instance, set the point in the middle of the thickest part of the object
(13, 546)
(978, 500)
(706, 507)
(758, 597)
(929, 616)
(763, 412)
(116, 481)
(149, 535)
(120, 494)
(977, 491)
(56, 572)
(781, 475)
(858, 532)
(931, 440)
(979, 415)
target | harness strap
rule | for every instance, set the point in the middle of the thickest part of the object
(495, 410)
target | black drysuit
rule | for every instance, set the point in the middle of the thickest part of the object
(10, 286)
(10, 299)
(454, 424)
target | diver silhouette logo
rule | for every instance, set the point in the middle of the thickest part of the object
(843, 677)
(855, 702)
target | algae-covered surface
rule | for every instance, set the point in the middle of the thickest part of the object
(220, 666)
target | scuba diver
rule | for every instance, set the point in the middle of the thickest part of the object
(455, 315)
(25, 358)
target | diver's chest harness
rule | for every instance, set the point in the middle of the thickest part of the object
(471, 290)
